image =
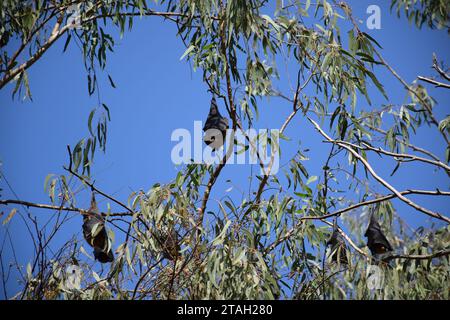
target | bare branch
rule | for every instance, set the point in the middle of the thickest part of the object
(60, 208)
(56, 34)
(397, 155)
(437, 84)
(439, 69)
(91, 184)
(378, 178)
(376, 200)
(437, 254)
(409, 145)
(411, 90)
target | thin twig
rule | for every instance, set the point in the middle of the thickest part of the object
(437, 84)
(437, 254)
(61, 208)
(378, 178)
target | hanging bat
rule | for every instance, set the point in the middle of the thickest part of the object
(215, 127)
(376, 240)
(338, 249)
(95, 233)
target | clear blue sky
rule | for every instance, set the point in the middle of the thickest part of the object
(157, 93)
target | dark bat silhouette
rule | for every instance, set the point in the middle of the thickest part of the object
(337, 246)
(95, 234)
(215, 127)
(376, 240)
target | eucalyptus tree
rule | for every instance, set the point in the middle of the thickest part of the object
(271, 244)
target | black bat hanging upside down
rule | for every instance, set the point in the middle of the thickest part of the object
(338, 249)
(376, 240)
(95, 233)
(215, 127)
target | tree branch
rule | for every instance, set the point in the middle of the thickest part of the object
(437, 254)
(55, 36)
(376, 200)
(378, 178)
(60, 208)
(233, 115)
(397, 155)
(322, 218)
(409, 145)
(295, 108)
(439, 70)
(437, 84)
(91, 184)
(411, 90)
(57, 33)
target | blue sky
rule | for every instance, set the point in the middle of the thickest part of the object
(157, 93)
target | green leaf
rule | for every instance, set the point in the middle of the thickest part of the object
(372, 39)
(67, 42)
(270, 20)
(219, 239)
(91, 115)
(111, 81)
(188, 50)
(311, 179)
(444, 125)
(47, 178)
